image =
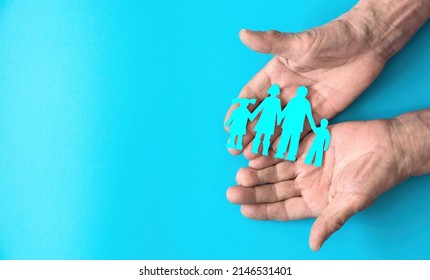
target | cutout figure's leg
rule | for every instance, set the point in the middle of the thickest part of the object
(310, 156)
(319, 157)
(266, 144)
(239, 143)
(283, 144)
(230, 143)
(256, 143)
(294, 146)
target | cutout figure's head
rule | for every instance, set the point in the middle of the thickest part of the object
(324, 123)
(302, 91)
(274, 90)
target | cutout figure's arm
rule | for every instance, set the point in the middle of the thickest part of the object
(249, 115)
(257, 111)
(310, 118)
(327, 141)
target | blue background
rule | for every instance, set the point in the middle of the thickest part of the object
(112, 143)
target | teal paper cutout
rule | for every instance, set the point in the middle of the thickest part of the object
(238, 121)
(270, 108)
(291, 119)
(321, 141)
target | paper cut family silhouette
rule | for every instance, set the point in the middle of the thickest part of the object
(291, 119)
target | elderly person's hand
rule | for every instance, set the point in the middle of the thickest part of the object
(336, 61)
(365, 159)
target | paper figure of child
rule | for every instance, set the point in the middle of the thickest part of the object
(238, 121)
(321, 141)
(270, 108)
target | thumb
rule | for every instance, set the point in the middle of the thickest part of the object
(289, 45)
(332, 218)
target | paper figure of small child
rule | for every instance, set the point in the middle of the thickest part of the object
(321, 141)
(238, 121)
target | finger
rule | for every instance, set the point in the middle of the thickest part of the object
(291, 209)
(282, 171)
(261, 162)
(289, 45)
(332, 218)
(263, 194)
(247, 151)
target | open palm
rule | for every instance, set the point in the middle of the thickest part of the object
(358, 167)
(335, 61)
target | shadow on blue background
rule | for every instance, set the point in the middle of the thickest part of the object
(97, 156)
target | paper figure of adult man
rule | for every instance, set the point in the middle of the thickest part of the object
(293, 119)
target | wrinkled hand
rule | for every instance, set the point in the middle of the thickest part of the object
(360, 165)
(337, 62)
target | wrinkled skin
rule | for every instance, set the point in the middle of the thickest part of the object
(334, 61)
(337, 62)
(358, 167)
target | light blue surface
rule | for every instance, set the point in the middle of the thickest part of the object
(99, 151)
